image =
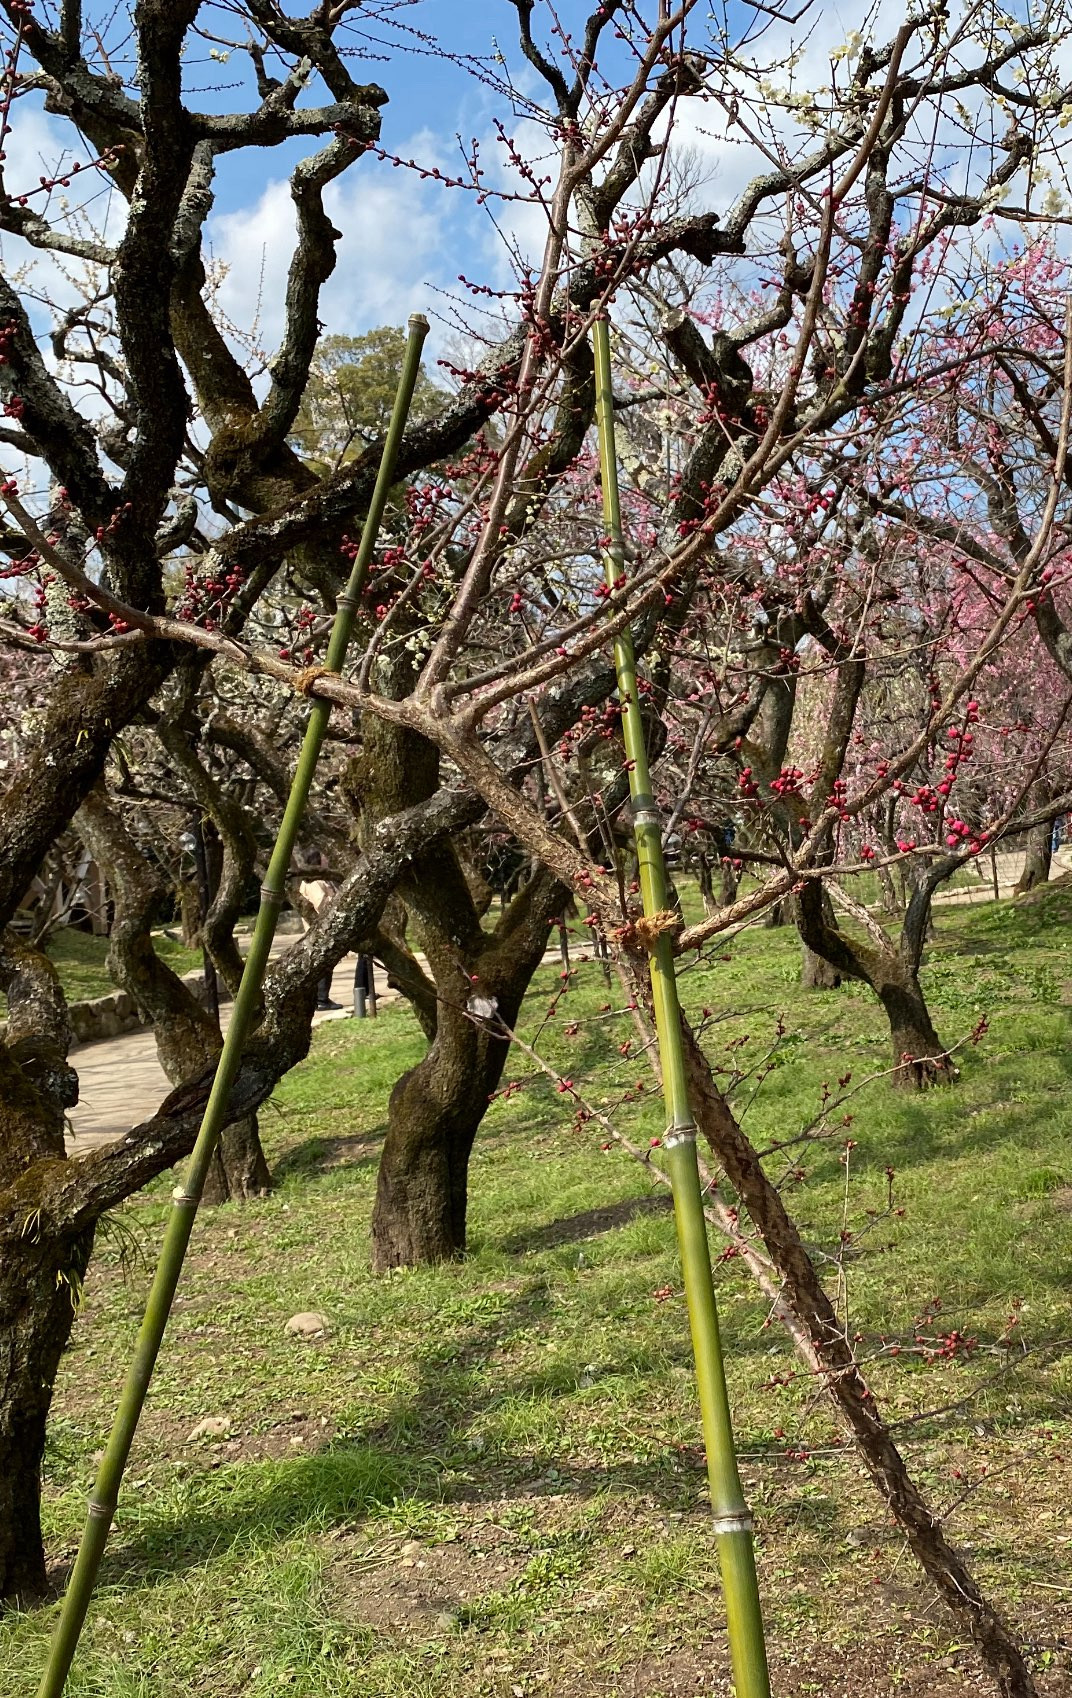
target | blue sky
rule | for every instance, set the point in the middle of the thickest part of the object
(404, 241)
(401, 238)
(425, 91)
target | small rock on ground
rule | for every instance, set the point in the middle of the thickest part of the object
(307, 1325)
(212, 1427)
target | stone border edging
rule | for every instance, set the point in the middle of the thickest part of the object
(110, 1016)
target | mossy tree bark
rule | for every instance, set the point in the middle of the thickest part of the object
(39, 1284)
(920, 1058)
(40, 1276)
(815, 973)
(475, 980)
(49, 1205)
(437, 1107)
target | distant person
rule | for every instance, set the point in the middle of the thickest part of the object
(316, 892)
(364, 986)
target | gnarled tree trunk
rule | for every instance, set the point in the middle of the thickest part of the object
(49, 1205)
(920, 1059)
(730, 881)
(437, 1107)
(39, 1285)
(477, 981)
(892, 900)
(815, 973)
(239, 1170)
(40, 1276)
(703, 878)
(434, 1115)
(919, 1056)
(1039, 849)
(188, 1039)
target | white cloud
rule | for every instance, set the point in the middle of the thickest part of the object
(40, 145)
(51, 284)
(396, 245)
(89, 207)
(515, 229)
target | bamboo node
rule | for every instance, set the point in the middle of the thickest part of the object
(676, 1135)
(303, 681)
(738, 1523)
(182, 1198)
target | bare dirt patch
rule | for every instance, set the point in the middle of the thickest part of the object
(872, 1670)
(405, 1585)
(297, 1434)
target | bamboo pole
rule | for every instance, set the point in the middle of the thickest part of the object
(732, 1519)
(185, 1198)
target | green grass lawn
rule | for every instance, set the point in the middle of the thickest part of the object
(487, 1479)
(82, 961)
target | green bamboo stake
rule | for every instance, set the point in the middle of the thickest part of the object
(732, 1519)
(185, 1198)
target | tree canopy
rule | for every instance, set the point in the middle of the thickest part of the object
(841, 381)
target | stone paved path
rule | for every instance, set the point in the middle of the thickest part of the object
(1009, 869)
(121, 1082)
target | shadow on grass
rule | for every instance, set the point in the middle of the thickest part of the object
(253, 1504)
(428, 1444)
(321, 1154)
(972, 1117)
(475, 1427)
(419, 1448)
(574, 1229)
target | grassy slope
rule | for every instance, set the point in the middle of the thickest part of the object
(527, 1419)
(81, 961)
